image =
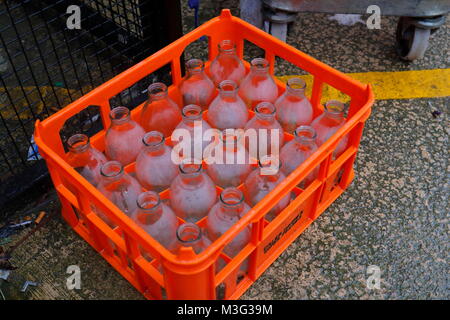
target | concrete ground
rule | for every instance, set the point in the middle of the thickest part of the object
(394, 215)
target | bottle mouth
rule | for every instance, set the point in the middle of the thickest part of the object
(265, 109)
(190, 166)
(195, 65)
(334, 107)
(260, 64)
(305, 133)
(231, 197)
(78, 142)
(111, 169)
(227, 46)
(153, 139)
(192, 112)
(296, 84)
(269, 161)
(228, 86)
(157, 90)
(188, 233)
(119, 114)
(148, 200)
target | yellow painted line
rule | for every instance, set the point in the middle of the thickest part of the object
(392, 85)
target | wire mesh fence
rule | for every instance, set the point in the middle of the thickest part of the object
(44, 66)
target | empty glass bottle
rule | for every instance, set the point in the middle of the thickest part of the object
(293, 108)
(119, 187)
(157, 219)
(194, 123)
(232, 166)
(228, 110)
(192, 192)
(330, 121)
(197, 88)
(190, 235)
(160, 112)
(263, 180)
(258, 85)
(269, 133)
(223, 215)
(227, 65)
(123, 138)
(84, 158)
(296, 151)
(155, 169)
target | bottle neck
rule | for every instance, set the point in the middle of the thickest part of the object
(228, 90)
(190, 235)
(195, 68)
(296, 87)
(190, 114)
(260, 67)
(334, 110)
(305, 137)
(119, 116)
(192, 175)
(231, 203)
(227, 47)
(149, 208)
(112, 171)
(265, 112)
(79, 144)
(154, 142)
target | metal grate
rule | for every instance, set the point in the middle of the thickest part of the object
(44, 66)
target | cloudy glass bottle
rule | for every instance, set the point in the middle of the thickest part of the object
(119, 187)
(258, 85)
(293, 107)
(262, 181)
(84, 158)
(160, 112)
(192, 192)
(268, 135)
(157, 219)
(196, 126)
(296, 151)
(227, 65)
(155, 169)
(223, 215)
(123, 137)
(228, 110)
(231, 165)
(330, 121)
(197, 88)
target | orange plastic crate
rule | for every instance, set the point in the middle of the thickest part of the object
(187, 275)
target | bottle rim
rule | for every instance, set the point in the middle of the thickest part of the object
(260, 64)
(231, 197)
(265, 109)
(153, 139)
(296, 84)
(192, 112)
(334, 107)
(119, 114)
(157, 90)
(78, 142)
(306, 133)
(149, 200)
(195, 65)
(111, 169)
(228, 86)
(194, 232)
(227, 46)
